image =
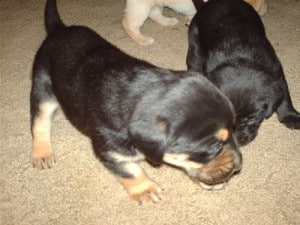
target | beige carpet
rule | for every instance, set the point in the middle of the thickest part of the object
(79, 190)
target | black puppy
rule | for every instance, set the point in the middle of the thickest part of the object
(227, 42)
(130, 109)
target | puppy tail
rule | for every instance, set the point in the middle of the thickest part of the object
(52, 19)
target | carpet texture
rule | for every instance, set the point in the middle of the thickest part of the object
(79, 190)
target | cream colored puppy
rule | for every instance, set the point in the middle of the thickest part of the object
(137, 11)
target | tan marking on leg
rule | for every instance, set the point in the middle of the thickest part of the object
(222, 134)
(127, 158)
(42, 154)
(140, 188)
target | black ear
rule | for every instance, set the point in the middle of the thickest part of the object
(150, 138)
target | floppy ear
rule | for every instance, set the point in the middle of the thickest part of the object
(150, 138)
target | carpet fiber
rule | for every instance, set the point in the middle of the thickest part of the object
(79, 190)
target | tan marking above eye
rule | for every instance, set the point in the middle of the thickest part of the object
(222, 134)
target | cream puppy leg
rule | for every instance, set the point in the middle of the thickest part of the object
(157, 16)
(136, 13)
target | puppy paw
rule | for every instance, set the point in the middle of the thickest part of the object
(145, 40)
(292, 125)
(147, 192)
(166, 21)
(42, 155)
(292, 121)
(142, 190)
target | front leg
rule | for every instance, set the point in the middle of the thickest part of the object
(139, 186)
(125, 167)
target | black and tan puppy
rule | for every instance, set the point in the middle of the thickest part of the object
(227, 43)
(130, 109)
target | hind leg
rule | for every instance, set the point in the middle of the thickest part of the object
(43, 105)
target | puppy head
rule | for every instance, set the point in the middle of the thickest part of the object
(251, 108)
(252, 95)
(201, 138)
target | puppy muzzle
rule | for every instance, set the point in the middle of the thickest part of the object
(220, 169)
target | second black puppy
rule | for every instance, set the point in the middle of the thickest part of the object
(130, 109)
(227, 42)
